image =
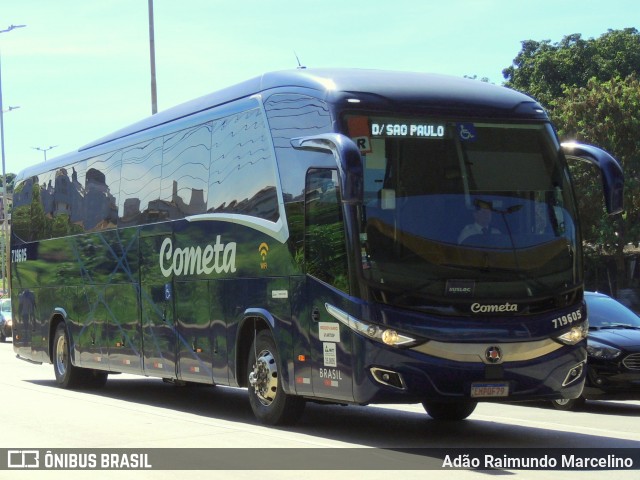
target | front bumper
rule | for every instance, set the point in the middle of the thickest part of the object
(412, 375)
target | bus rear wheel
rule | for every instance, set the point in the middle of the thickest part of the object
(449, 411)
(269, 402)
(67, 375)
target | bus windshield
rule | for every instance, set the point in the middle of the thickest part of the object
(463, 209)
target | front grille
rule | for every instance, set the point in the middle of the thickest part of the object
(632, 362)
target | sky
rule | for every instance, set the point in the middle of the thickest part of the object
(80, 69)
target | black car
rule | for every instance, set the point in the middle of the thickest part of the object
(613, 348)
(5, 319)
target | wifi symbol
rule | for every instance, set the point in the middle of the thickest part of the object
(263, 249)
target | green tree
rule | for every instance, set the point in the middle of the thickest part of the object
(590, 89)
(10, 179)
(606, 114)
(544, 69)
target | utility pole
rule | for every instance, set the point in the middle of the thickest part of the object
(5, 228)
(152, 56)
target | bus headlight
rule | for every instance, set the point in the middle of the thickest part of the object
(388, 337)
(393, 338)
(575, 335)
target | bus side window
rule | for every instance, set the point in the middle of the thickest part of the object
(140, 184)
(185, 171)
(242, 174)
(102, 191)
(28, 222)
(325, 244)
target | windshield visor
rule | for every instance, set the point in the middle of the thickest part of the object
(460, 209)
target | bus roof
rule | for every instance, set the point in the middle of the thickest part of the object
(441, 93)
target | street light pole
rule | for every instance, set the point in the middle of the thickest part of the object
(44, 150)
(4, 188)
(152, 57)
(4, 172)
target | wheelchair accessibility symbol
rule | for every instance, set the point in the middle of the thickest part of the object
(467, 132)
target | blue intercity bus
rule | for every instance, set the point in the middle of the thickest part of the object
(346, 236)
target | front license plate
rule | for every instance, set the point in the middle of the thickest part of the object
(494, 389)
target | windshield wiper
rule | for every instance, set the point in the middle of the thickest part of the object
(412, 291)
(482, 269)
(618, 325)
(491, 272)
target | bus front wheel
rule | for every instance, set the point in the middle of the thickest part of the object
(269, 402)
(567, 404)
(452, 411)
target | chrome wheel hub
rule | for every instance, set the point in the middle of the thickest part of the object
(264, 378)
(61, 355)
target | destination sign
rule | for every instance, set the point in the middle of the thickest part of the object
(421, 130)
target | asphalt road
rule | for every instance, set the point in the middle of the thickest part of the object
(141, 413)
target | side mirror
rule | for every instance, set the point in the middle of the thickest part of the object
(612, 175)
(348, 160)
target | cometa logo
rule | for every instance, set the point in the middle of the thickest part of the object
(505, 307)
(218, 258)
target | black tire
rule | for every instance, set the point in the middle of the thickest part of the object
(95, 378)
(270, 404)
(67, 375)
(566, 404)
(3, 338)
(449, 411)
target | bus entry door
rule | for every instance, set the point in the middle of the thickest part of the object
(331, 347)
(327, 275)
(159, 333)
(157, 308)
